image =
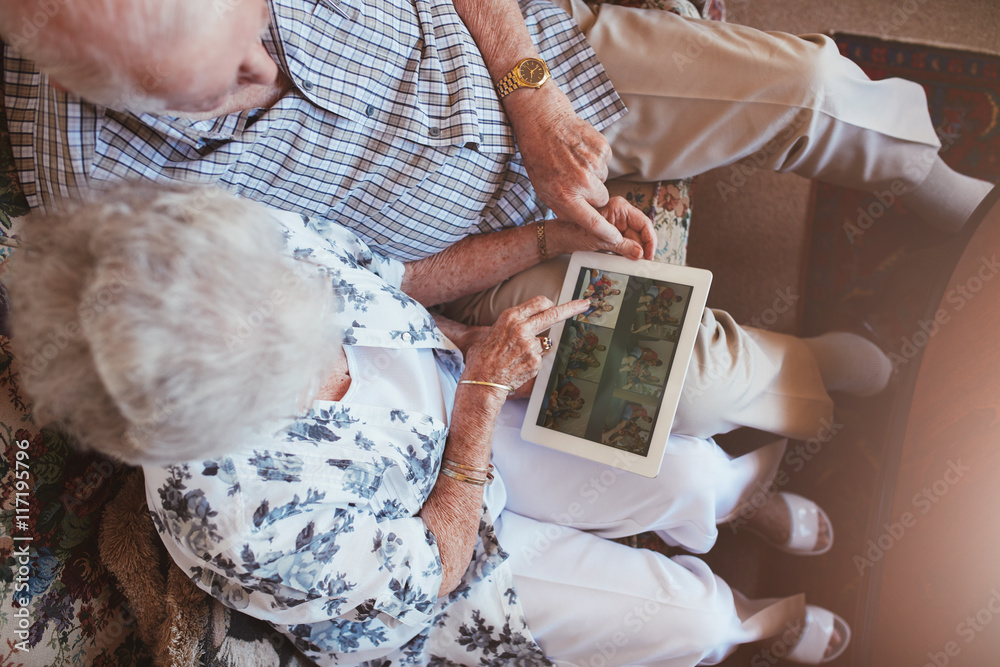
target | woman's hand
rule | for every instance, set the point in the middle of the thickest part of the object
(638, 238)
(511, 353)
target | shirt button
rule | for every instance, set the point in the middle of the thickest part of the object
(434, 132)
(406, 337)
(370, 110)
(307, 85)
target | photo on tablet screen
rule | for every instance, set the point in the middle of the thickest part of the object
(644, 368)
(570, 405)
(629, 422)
(613, 362)
(659, 308)
(606, 291)
(585, 349)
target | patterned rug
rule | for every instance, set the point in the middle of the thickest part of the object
(857, 258)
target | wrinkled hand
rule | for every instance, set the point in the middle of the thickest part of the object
(638, 237)
(511, 353)
(565, 157)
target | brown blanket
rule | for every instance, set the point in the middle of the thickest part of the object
(181, 624)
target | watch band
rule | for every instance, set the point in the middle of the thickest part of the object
(508, 84)
(513, 79)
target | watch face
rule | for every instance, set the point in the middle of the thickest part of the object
(532, 71)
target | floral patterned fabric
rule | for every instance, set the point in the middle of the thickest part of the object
(60, 605)
(668, 205)
(316, 529)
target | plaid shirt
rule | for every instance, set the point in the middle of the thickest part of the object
(393, 128)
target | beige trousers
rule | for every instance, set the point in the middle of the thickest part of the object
(738, 376)
(703, 94)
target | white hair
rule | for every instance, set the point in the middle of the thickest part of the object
(88, 45)
(166, 324)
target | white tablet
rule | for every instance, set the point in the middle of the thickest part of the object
(610, 389)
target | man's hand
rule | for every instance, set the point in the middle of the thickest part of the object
(636, 238)
(565, 157)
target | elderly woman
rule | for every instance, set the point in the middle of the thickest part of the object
(317, 450)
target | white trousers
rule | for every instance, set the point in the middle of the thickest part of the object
(703, 94)
(592, 602)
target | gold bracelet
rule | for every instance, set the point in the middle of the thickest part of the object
(542, 246)
(465, 478)
(455, 464)
(510, 389)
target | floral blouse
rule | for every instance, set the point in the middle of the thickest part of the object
(316, 529)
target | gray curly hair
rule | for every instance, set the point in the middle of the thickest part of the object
(85, 44)
(166, 324)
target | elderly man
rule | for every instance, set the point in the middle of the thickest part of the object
(385, 117)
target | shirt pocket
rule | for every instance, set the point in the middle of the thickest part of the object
(130, 148)
(350, 65)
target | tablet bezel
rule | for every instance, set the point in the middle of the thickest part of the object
(700, 281)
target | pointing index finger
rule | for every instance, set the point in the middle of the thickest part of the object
(544, 320)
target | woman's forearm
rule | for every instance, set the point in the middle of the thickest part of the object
(454, 508)
(464, 336)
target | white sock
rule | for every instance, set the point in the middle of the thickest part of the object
(850, 363)
(946, 198)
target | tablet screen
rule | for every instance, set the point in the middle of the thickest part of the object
(613, 361)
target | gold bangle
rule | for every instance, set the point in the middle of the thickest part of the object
(510, 389)
(455, 464)
(543, 249)
(465, 478)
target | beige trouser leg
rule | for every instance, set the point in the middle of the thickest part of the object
(738, 376)
(703, 94)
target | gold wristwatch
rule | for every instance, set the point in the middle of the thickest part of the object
(529, 73)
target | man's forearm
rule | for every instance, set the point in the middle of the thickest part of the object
(500, 33)
(565, 156)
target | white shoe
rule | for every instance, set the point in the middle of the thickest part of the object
(804, 523)
(812, 645)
